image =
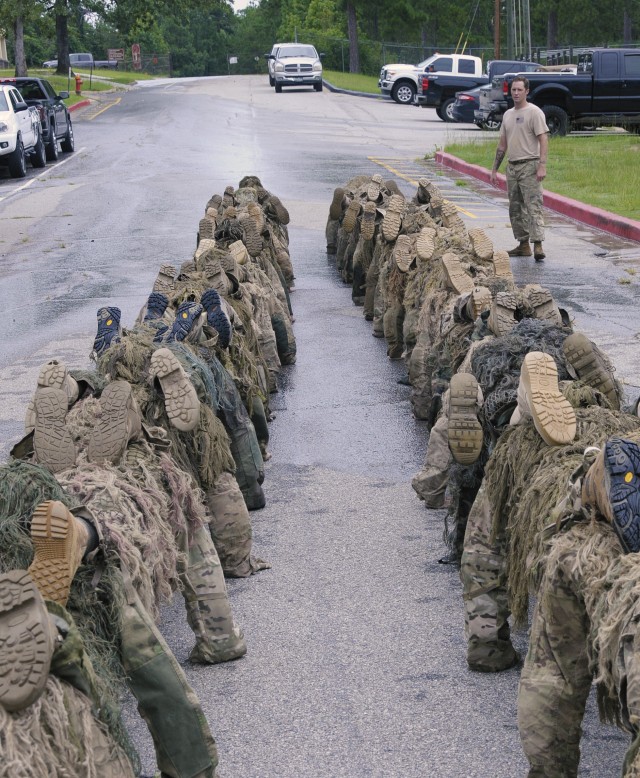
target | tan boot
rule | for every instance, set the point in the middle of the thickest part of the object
(59, 541)
(479, 301)
(538, 251)
(27, 640)
(523, 249)
(540, 398)
(119, 423)
(457, 278)
(464, 430)
(502, 318)
(591, 367)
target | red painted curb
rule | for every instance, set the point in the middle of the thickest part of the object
(587, 214)
(81, 104)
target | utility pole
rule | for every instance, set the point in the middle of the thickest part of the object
(496, 30)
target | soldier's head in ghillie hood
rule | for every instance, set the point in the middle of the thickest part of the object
(611, 489)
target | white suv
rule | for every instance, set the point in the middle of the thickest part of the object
(295, 64)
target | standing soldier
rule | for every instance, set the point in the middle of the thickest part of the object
(524, 134)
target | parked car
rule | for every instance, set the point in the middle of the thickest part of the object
(465, 106)
(438, 90)
(20, 133)
(271, 59)
(54, 115)
(604, 91)
(296, 64)
(400, 82)
(84, 60)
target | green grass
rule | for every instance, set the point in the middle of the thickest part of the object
(100, 81)
(352, 81)
(597, 170)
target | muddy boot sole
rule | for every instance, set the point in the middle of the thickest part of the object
(481, 245)
(110, 436)
(56, 550)
(543, 304)
(368, 223)
(52, 443)
(351, 216)
(502, 318)
(464, 430)
(426, 243)
(180, 397)
(502, 265)
(26, 641)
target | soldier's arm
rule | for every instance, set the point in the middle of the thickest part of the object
(500, 152)
(544, 153)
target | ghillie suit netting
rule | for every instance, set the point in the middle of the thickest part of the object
(526, 478)
(95, 606)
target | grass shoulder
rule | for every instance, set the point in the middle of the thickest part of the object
(352, 81)
(599, 170)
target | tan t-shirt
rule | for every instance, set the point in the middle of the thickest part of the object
(522, 128)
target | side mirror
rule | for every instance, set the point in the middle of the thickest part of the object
(270, 56)
(63, 95)
(322, 54)
(21, 107)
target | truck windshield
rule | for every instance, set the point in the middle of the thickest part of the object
(297, 51)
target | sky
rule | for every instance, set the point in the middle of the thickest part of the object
(239, 5)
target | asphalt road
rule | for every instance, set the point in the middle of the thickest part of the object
(356, 663)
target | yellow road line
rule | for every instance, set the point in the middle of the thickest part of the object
(102, 110)
(415, 183)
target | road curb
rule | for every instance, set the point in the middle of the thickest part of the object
(340, 91)
(587, 214)
(81, 104)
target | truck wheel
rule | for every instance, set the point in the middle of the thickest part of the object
(446, 110)
(278, 88)
(403, 93)
(557, 120)
(271, 81)
(52, 146)
(318, 87)
(492, 124)
(18, 161)
(68, 144)
(39, 156)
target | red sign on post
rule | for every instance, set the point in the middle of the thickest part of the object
(136, 59)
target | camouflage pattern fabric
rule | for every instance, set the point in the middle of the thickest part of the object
(526, 211)
(483, 572)
(184, 745)
(430, 484)
(205, 595)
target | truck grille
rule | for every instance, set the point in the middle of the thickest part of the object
(297, 68)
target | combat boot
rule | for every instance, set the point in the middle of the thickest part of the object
(216, 317)
(27, 641)
(109, 330)
(53, 445)
(502, 318)
(481, 245)
(457, 278)
(523, 249)
(52, 375)
(60, 540)
(543, 304)
(611, 487)
(180, 397)
(464, 430)
(591, 367)
(540, 399)
(119, 423)
(478, 302)
(538, 251)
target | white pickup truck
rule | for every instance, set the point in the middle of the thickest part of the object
(20, 133)
(401, 81)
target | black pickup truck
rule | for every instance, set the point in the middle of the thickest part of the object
(604, 91)
(439, 90)
(54, 115)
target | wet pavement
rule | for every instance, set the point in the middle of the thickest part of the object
(356, 663)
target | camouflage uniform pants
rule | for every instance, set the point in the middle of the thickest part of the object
(525, 202)
(430, 484)
(556, 677)
(483, 571)
(184, 745)
(371, 283)
(205, 595)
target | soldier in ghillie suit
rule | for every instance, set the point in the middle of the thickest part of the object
(587, 617)
(49, 692)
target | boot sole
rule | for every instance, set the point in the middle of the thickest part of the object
(53, 445)
(481, 245)
(54, 535)
(351, 216)
(622, 462)
(458, 280)
(502, 265)
(26, 645)
(109, 438)
(579, 351)
(480, 300)
(180, 397)
(51, 376)
(464, 430)
(426, 243)
(502, 318)
(552, 414)
(543, 305)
